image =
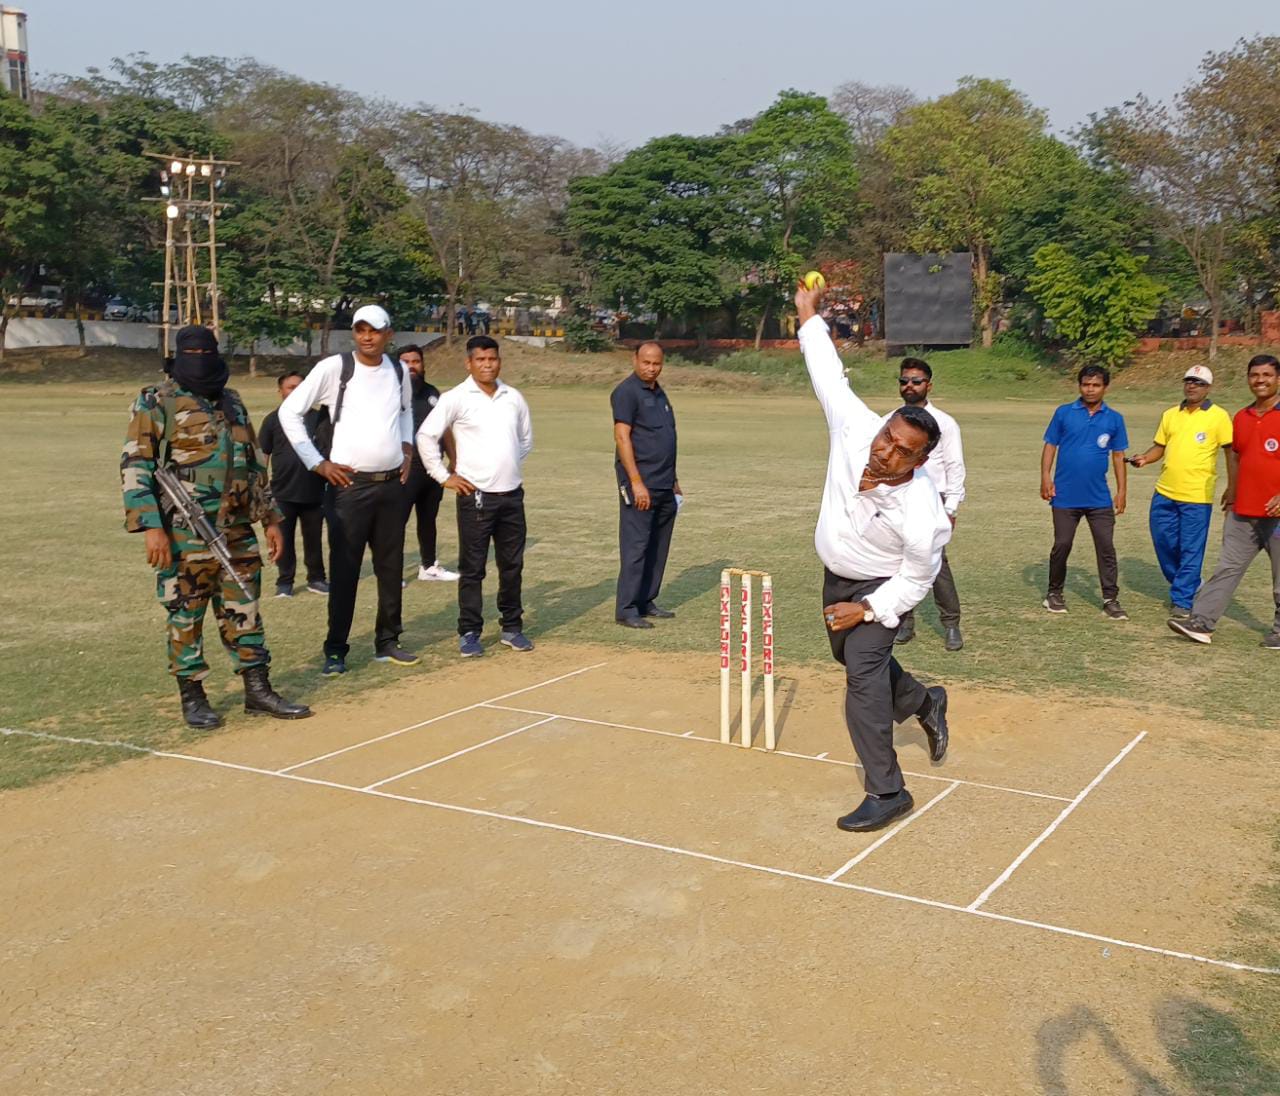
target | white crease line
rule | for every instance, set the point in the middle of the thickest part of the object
(456, 753)
(1066, 811)
(779, 753)
(675, 850)
(435, 719)
(900, 826)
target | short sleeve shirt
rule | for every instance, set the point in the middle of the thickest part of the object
(653, 432)
(1257, 442)
(290, 480)
(1191, 440)
(1085, 443)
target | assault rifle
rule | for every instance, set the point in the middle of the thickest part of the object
(192, 516)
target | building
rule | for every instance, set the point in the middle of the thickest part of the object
(15, 77)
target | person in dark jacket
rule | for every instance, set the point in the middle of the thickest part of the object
(421, 492)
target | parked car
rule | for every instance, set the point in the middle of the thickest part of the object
(118, 308)
(48, 297)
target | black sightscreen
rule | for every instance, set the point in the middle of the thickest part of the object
(928, 299)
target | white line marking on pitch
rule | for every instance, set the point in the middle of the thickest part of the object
(436, 719)
(456, 753)
(780, 753)
(821, 756)
(1003, 878)
(896, 829)
(674, 850)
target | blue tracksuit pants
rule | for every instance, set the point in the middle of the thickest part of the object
(1179, 531)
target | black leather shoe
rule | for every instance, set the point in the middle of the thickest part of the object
(635, 622)
(872, 813)
(952, 640)
(659, 612)
(935, 723)
(261, 699)
(196, 709)
(906, 630)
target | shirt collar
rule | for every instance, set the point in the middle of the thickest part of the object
(1080, 403)
(470, 385)
(657, 385)
(1204, 406)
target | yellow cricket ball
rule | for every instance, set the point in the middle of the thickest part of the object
(814, 280)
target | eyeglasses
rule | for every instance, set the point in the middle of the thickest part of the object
(1192, 380)
(915, 382)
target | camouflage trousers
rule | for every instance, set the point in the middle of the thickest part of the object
(193, 580)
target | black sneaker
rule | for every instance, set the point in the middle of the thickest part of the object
(1055, 603)
(318, 587)
(1194, 628)
(333, 666)
(1112, 611)
(1271, 642)
(397, 656)
(284, 589)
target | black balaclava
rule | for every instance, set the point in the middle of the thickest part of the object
(197, 365)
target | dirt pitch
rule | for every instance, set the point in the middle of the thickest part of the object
(541, 874)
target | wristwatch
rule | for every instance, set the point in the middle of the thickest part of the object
(868, 613)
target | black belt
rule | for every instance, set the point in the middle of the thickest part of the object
(375, 477)
(501, 494)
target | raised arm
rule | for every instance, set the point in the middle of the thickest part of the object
(826, 371)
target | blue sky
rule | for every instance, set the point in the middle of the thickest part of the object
(591, 71)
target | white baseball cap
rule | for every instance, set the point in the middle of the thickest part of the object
(1199, 373)
(372, 314)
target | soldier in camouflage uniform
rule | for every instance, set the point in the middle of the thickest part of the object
(200, 428)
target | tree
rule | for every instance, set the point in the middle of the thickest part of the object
(1096, 303)
(655, 227)
(36, 161)
(870, 110)
(965, 158)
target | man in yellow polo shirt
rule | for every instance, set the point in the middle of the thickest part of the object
(1188, 438)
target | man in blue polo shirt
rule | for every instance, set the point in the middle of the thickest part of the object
(644, 434)
(1084, 437)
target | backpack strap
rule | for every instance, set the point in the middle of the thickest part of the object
(344, 378)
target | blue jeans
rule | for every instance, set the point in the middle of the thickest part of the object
(1179, 531)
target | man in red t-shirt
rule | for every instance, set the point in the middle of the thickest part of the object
(1253, 494)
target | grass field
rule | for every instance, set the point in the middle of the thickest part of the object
(83, 648)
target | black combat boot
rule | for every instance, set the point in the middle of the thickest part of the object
(195, 706)
(261, 699)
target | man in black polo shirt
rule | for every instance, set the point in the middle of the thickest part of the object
(421, 492)
(298, 493)
(644, 432)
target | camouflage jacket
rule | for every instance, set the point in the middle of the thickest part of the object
(219, 464)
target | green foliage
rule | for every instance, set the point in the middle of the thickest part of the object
(1095, 303)
(582, 338)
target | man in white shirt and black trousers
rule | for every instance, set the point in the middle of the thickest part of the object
(492, 436)
(880, 536)
(370, 405)
(945, 467)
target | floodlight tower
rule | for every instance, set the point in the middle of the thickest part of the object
(189, 189)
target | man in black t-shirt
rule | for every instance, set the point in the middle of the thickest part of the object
(644, 433)
(421, 492)
(298, 493)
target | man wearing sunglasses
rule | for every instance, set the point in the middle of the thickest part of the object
(945, 467)
(1188, 438)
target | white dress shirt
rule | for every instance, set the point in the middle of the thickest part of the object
(492, 434)
(377, 415)
(894, 533)
(945, 465)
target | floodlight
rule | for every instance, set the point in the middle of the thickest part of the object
(164, 176)
(191, 169)
(176, 167)
(171, 211)
(217, 184)
(164, 192)
(206, 170)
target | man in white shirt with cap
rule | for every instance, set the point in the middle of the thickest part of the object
(370, 404)
(880, 536)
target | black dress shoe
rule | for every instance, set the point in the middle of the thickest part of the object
(635, 622)
(659, 612)
(872, 813)
(952, 639)
(935, 723)
(906, 630)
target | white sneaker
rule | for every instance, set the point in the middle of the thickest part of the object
(436, 573)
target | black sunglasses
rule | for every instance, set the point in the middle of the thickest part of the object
(1193, 380)
(914, 381)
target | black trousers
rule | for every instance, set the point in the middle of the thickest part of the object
(1102, 525)
(644, 539)
(423, 494)
(485, 518)
(311, 518)
(372, 515)
(878, 691)
(945, 595)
